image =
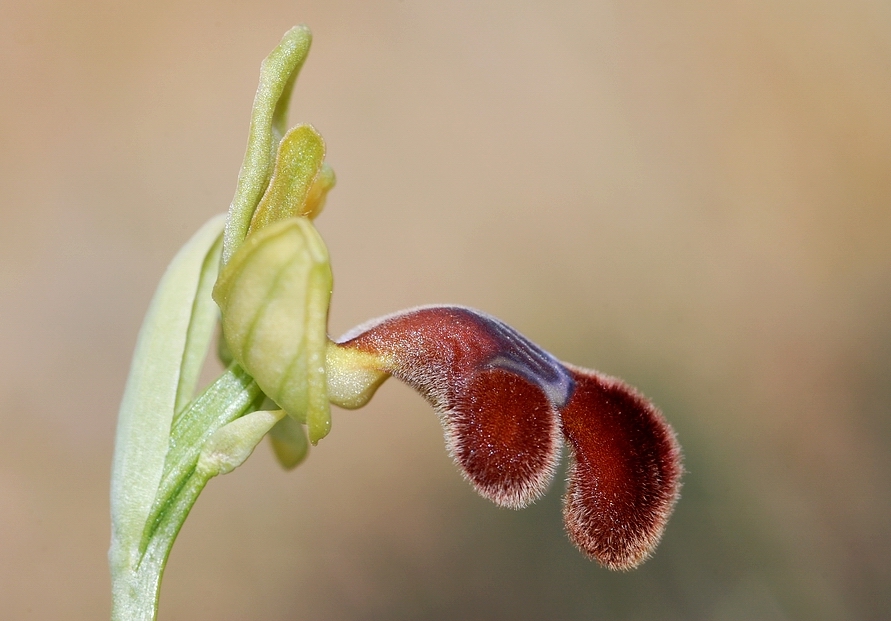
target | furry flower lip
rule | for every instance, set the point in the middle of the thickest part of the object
(507, 406)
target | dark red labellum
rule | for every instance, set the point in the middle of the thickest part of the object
(504, 402)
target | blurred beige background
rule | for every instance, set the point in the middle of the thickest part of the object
(695, 196)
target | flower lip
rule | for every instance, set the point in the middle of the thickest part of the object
(625, 470)
(521, 356)
(506, 405)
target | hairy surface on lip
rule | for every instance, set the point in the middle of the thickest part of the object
(504, 402)
(457, 341)
(625, 472)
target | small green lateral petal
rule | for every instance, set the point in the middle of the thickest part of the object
(274, 295)
(297, 165)
(268, 122)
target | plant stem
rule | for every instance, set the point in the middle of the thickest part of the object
(136, 574)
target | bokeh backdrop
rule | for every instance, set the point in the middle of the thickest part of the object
(695, 196)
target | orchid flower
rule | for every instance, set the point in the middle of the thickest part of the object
(506, 406)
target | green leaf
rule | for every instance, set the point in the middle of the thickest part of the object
(150, 396)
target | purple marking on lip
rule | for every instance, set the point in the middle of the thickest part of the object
(519, 355)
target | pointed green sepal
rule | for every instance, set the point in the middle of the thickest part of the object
(268, 124)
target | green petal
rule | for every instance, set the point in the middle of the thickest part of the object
(297, 165)
(323, 182)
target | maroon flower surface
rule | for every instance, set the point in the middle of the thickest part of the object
(506, 405)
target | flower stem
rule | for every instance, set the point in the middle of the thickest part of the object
(136, 574)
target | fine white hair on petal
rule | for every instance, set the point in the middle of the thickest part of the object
(503, 493)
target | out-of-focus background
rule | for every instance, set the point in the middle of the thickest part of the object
(695, 196)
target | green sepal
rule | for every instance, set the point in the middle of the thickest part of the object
(274, 295)
(268, 124)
